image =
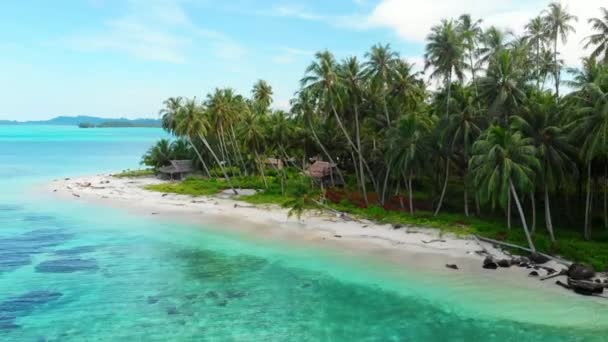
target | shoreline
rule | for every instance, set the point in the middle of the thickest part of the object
(415, 248)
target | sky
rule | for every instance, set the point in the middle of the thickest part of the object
(122, 58)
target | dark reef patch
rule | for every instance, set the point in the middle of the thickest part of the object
(67, 265)
(76, 250)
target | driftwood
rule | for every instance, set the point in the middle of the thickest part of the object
(506, 244)
(340, 214)
(583, 287)
(431, 241)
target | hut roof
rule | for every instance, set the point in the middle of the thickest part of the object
(178, 166)
(320, 169)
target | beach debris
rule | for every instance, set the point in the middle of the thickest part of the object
(533, 274)
(431, 241)
(338, 236)
(76, 195)
(452, 266)
(581, 271)
(67, 179)
(164, 195)
(489, 263)
(397, 226)
(154, 213)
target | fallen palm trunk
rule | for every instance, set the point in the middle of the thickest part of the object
(510, 245)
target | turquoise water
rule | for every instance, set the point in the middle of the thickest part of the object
(76, 272)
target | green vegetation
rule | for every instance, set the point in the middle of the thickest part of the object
(135, 173)
(496, 147)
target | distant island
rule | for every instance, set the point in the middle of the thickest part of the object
(88, 122)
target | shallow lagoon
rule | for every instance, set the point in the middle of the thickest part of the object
(73, 272)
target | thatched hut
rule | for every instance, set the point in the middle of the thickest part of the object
(178, 169)
(324, 173)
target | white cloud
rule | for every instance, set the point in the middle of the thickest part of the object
(413, 23)
(156, 30)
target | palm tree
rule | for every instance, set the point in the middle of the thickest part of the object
(169, 114)
(262, 94)
(494, 40)
(600, 39)
(503, 163)
(409, 148)
(444, 52)
(158, 155)
(558, 22)
(471, 34)
(461, 129)
(502, 85)
(536, 34)
(352, 75)
(541, 123)
(191, 122)
(592, 130)
(252, 133)
(379, 69)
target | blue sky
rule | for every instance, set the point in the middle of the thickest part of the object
(117, 58)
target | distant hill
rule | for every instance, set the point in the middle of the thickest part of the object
(90, 120)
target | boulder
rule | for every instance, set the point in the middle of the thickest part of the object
(587, 288)
(504, 263)
(489, 263)
(538, 258)
(533, 274)
(452, 266)
(581, 271)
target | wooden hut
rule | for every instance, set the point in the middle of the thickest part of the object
(325, 173)
(178, 169)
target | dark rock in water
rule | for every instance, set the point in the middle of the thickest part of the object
(452, 266)
(503, 263)
(222, 302)
(489, 263)
(76, 250)
(211, 294)
(307, 285)
(152, 300)
(538, 258)
(235, 294)
(533, 274)
(67, 265)
(25, 303)
(581, 272)
(7, 322)
(172, 310)
(191, 296)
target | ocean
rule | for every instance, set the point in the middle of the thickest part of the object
(79, 272)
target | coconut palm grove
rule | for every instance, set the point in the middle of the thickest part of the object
(494, 137)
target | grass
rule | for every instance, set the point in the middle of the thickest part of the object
(570, 244)
(135, 173)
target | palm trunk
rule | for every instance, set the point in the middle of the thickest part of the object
(445, 186)
(533, 200)
(350, 141)
(388, 171)
(606, 196)
(261, 167)
(477, 208)
(523, 218)
(358, 137)
(411, 194)
(588, 204)
(548, 215)
(200, 157)
(509, 211)
(556, 68)
(449, 86)
(217, 160)
(238, 150)
(318, 141)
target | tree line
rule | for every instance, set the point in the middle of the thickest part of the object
(500, 130)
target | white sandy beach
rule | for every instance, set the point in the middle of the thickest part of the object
(417, 247)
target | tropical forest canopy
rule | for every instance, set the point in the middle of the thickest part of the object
(509, 131)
